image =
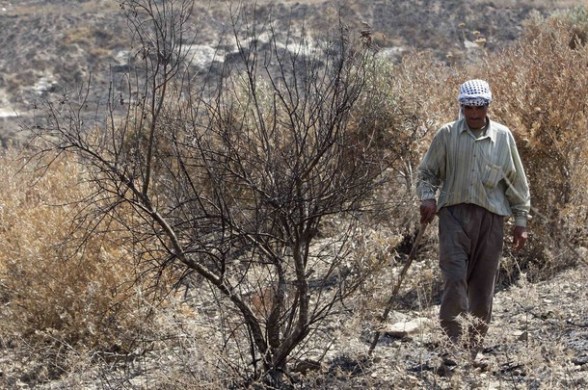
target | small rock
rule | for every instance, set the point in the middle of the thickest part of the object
(580, 361)
(306, 365)
(406, 328)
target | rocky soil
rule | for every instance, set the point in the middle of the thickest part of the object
(538, 340)
(539, 337)
(54, 47)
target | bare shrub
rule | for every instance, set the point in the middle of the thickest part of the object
(541, 83)
(538, 85)
(233, 188)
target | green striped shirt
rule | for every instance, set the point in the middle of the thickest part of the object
(486, 171)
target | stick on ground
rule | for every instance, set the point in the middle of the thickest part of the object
(392, 298)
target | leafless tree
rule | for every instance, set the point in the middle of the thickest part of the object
(233, 188)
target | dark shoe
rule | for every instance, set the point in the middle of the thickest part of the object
(449, 361)
(449, 358)
(445, 370)
(447, 366)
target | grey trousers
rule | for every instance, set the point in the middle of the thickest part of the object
(470, 247)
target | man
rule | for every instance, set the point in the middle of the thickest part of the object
(475, 165)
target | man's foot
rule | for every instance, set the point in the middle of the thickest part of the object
(445, 370)
(448, 360)
(448, 364)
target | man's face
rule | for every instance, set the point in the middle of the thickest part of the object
(475, 116)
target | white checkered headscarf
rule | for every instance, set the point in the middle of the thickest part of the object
(474, 93)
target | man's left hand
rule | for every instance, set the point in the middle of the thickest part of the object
(519, 235)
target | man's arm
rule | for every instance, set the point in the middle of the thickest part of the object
(431, 173)
(519, 197)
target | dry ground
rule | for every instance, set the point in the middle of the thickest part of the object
(538, 340)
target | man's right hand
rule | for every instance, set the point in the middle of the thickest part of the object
(428, 210)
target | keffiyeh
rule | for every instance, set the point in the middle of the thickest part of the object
(474, 93)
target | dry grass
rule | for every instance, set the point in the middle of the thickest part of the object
(56, 290)
(70, 314)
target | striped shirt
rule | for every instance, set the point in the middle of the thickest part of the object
(485, 170)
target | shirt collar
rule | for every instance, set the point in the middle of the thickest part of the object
(490, 129)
